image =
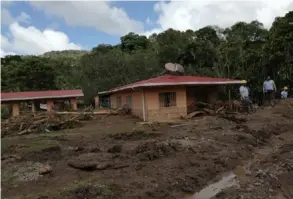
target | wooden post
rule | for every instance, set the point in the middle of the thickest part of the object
(73, 104)
(50, 105)
(15, 109)
(229, 95)
(143, 106)
(97, 102)
(33, 107)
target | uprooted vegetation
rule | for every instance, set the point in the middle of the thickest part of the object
(106, 159)
(42, 122)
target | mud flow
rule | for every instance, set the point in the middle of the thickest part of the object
(236, 156)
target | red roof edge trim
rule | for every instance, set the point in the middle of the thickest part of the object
(169, 80)
(31, 95)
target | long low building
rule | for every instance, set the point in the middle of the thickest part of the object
(35, 98)
(165, 97)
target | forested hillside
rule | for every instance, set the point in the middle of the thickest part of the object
(244, 51)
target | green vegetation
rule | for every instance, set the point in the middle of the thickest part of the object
(244, 51)
(91, 187)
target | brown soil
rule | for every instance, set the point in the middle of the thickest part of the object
(113, 157)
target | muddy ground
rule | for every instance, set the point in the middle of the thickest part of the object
(115, 157)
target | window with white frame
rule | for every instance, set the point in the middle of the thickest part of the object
(129, 101)
(167, 99)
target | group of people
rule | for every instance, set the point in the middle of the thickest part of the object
(269, 89)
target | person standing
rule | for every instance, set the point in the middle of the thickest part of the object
(284, 93)
(244, 95)
(269, 89)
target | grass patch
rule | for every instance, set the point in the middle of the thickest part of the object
(39, 145)
(24, 146)
(78, 189)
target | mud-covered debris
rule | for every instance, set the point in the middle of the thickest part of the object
(102, 166)
(115, 149)
(43, 197)
(45, 170)
(76, 149)
(51, 149)
(134, 135)
(119, 166)
(94, 149)
(147, 156)
(10, 158)
(193, 114)
(139, 166)
(152, 150)
(42, 122)
(92, 161)
(234, 118)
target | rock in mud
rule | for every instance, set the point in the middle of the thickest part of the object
(45, 170)
(77, 164)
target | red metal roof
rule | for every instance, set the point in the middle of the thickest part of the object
(30, 95)
(170, 80)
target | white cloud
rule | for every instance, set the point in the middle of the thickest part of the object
(30, 40)
(148, 21)
(23, 17)
(7, 18)
(103, 16)
(183, 15)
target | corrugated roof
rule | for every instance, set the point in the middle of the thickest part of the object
(30, 95)
(170, 80)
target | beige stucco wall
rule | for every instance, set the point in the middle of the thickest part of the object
(156, 113)
(184, 97)
(136, 101)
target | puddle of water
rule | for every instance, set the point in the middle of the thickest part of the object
(215, 188)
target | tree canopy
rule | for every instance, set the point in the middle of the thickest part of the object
(244, 51)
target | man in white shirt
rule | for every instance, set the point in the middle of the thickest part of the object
(284, 93)
(244, 95)
(269, 89)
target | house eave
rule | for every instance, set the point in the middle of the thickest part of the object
(39, 97)
(170, 84)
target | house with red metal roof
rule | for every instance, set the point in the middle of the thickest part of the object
(166, 97)
(36, 97)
